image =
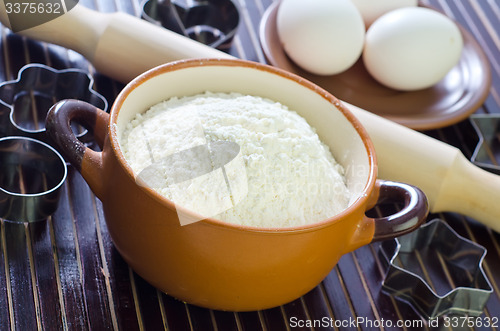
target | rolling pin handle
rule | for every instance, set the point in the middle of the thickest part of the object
(471, 191)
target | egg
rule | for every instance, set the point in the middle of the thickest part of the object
(412, 48)
(372, 9)
(324, 37)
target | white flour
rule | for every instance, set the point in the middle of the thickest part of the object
(283, 175)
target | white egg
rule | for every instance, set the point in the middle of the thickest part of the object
(372, 9)
(324, 37)
(412, 48)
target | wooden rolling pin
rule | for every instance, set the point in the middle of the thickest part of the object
(450, 181)
(122, 47)
(119, 45)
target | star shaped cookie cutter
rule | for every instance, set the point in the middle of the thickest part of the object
(436, 271)
(487, 127)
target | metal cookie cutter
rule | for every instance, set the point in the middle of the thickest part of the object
(436, 271)
(212, 22)
(37, 87)
(488, 130)
(31, 175)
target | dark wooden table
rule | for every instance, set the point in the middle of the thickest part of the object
(63, 273)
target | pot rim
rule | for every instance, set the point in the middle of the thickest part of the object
(188, 63)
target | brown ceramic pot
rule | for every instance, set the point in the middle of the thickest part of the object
(211, 263)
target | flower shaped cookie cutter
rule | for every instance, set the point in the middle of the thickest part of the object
(211, 22)
(37, 87)
(436, 271)
(33, 171)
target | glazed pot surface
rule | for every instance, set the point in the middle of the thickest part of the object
(220, 265)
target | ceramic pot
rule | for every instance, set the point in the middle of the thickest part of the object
(211, 263)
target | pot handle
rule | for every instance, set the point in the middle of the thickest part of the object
(84, 159)
(408, 219)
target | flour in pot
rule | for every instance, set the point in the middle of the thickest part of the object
(282, 176)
